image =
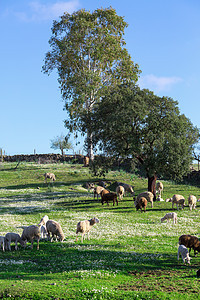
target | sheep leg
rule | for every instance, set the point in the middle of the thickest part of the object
(82, 237)
(16, 245)
(38, 243)
(3, 248)
(88, 235)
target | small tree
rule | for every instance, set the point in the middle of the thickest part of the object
(62, 143)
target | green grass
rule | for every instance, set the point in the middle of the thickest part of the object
(130, 255)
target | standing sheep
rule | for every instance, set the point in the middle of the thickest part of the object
(169, 216)
(120, 191)
(148, 195)
(42, 226)
(97, 191)
(54, 228)
(30, 233)
(192, 201)
(179, 200)
(184, 254)
(141, 203)
(109, 197)
(85, 227)
(159, 188)
(11, 237)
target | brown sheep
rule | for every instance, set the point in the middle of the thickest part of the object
(190, 241)
(103, 192)
(141, 203)
(109, 197)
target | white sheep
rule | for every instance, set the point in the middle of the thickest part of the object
(159, 188)
(2, 242)
(97, 191)
(192, 201)
(120, 191)
(55, 229)
(148, 195)
(30, 233)
(85, 227)
(11, 237)
(127, 187)
(42, 226)
(169, 216)
(179, 200)
(50, 176)
(184, 254)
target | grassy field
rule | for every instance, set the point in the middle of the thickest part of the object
(130, 255)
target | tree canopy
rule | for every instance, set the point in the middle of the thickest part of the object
(88, 51)
(135, 123)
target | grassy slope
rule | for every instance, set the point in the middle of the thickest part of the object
(129, 256)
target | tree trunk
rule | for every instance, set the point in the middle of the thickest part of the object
(90, 146)
(152, 185)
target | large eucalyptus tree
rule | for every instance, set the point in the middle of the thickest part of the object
(88, 51)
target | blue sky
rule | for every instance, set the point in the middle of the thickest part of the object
(163, 37)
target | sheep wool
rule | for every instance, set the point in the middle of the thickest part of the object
(55, 229)
(184, 254)
(85, 227)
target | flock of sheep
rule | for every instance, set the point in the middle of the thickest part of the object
(50, 228)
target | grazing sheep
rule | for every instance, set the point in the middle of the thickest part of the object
(159, 198)
(54, 228)
(11, 237)
(2, 242)
(50, 176)
(109, 197)
(159, 188)
(120, 191)
(179, 200)
(85, 227)
(148, 195)
(43, 232)
(184, 254)
(127, 187)
(191, 242)
(30, 233)
(169, 216)
(97, 191)
(192, 201)
(141, 203)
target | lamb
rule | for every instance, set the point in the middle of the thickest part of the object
(97, 191)
(127, 187)
(169, 216)
(192, 200)
(179, 200)
(50, 176)
(120, 191)
(85, 227)
(148, 195)
(184, 254)
(191, 242)
(109, 197)
(30, 233)
(54, 228)
(13, 237)
(141, 203)
(159, 188)
(43, 220)
(42, 226)
(2, 242)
